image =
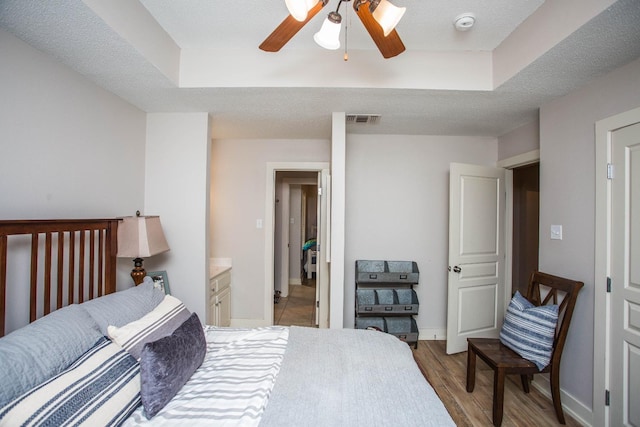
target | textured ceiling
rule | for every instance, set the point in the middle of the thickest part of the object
(426, 24)
(71, 32)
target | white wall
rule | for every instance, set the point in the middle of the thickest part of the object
(177, 189)
(68, 149)
(295, 233)
(397, 208)
(567, 197)
(524, 139)
(238, 187)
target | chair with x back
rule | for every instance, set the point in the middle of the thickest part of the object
(545, 293)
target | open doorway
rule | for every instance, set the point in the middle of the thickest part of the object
(321, 172)
(526, 213)
(295, 248)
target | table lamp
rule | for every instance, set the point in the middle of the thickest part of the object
(140, 237)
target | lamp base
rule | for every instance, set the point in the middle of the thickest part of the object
(138, 272)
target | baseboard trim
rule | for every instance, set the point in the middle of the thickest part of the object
(295, 281)
(570, 404)
(429, 334)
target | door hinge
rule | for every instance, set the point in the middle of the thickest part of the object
(610, 171)
(607, 398)
(609, 284)
(317, 304)
(319, 191)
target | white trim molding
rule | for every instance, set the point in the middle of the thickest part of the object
(602, 310)
(520, 160)
(269, 223)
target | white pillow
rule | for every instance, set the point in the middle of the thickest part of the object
(158, 323)
(102, 388)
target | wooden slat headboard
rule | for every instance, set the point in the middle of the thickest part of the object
(73, 260)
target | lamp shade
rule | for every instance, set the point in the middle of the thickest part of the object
(141, 237)
(388, 15)
(329, 35)
(299, 9)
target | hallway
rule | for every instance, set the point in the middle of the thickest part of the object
(298, 309)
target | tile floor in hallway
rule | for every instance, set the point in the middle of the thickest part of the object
(298, 308)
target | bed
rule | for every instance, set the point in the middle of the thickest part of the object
(139, 357)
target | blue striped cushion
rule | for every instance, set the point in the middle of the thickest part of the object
(529, 330)
(101, 388)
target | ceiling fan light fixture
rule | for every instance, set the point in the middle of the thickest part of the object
(386, 14)
(299, 9)
(329, 35)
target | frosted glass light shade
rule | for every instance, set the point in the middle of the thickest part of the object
(299, 9)
(388, 15)
(329, 35)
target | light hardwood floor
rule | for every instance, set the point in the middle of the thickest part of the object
(447, 375)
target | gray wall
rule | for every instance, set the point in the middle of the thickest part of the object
(397, 208)
(567, 197)
(521, 140)
(68, 149)
(238, 191)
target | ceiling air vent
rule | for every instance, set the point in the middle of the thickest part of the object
(370, 119)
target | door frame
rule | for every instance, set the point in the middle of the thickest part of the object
(602, 309)
(509, 164)
(286, 231)
(269, 224)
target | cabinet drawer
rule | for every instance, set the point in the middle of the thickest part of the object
(221, 281)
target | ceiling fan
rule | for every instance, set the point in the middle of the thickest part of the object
(379, 17)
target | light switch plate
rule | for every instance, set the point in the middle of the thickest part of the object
(556, 232)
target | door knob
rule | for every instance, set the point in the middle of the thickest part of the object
(457, 269)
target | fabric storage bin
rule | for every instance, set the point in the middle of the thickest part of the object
(405, 328)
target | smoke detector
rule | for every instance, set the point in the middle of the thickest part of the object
(464, 22)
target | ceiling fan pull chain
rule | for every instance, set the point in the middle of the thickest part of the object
(346, 33)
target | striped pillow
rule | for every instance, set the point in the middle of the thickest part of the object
(160, 322)
(101, 388)
(529, 330)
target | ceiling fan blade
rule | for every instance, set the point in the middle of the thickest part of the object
(288, 28)
(390, 45)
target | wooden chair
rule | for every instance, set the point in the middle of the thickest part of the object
(505, 361)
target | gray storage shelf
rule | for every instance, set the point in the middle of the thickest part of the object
(385, 299)
(387, 272)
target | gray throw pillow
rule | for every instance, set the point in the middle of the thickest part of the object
(33, 354)
(124, 307)
(168, 363)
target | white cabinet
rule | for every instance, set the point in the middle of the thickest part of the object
(220, 299)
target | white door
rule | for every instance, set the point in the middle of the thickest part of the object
(476, 254)
(625, 278)
(322, 247)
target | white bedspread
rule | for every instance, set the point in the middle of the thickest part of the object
(232, 386)
(294, 377)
